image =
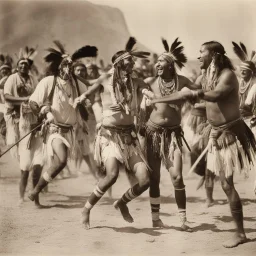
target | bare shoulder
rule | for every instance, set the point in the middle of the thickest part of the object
(228, 76)
(183, 82)
(150, 80)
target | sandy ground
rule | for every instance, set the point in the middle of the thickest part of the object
(57, 230)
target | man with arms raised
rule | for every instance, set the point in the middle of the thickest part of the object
(116, 141)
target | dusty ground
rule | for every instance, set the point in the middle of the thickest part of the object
(58, 231)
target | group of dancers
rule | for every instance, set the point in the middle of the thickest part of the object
(140, 123)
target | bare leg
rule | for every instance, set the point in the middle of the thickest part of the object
(141, 173)
(236, 211)
(180, 193)
(112, 171)
(60, 161)
(209, 185)
(23, 185)
(36, 174)
(154, 189)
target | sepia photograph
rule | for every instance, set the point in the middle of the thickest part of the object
(127, 127)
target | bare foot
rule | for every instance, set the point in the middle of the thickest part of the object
(86, 218)
(159, 224)
(124, 211)
(209, 203)
(20, 202)
(186, 228)
(235, 241)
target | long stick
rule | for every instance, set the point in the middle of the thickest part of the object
(199, 158)
(20, 140)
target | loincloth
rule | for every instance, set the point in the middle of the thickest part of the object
(66, 134)
(232, 148)
(163, 141)
(119, 142)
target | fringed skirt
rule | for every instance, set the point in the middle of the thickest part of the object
(118, 142)
(66, 134)
(162, 141)
(193, 125)
(232, 148)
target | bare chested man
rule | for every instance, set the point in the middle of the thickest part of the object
(116, 140)
(163, 134)
(232, 146)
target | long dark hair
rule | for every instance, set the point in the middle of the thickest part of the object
(220, 59)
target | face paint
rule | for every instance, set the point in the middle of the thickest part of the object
(66, 68)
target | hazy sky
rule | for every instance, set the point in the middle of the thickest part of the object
(194, 21)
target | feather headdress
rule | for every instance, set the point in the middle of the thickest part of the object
(27, 54)
(5, 61)
(242, 54)
(130, 52)
(56, 56)
(174, 53)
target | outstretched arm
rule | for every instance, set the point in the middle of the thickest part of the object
(94, 88)
(177, 97)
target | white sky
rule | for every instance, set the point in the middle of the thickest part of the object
(194, 21)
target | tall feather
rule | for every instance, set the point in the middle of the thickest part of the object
(239, 52)
(177, 51)
(166, 46)
(175, 44)
(244, 48)
(85, 51)
(60, 46)
(253, 56)
(2, 58)
(129, 45)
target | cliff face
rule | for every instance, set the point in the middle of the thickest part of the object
(75, 23)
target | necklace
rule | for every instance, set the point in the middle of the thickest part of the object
(166, 88)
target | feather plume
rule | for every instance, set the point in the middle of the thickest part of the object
(2, 58)
(85, 51)
(244, 48)
(60, 46)
(166, 46)
(129, 45)
(239, 52)
(175, 44)
(253, 57)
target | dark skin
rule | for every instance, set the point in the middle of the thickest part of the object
(222, 106)
(118, 118)
(165, 115)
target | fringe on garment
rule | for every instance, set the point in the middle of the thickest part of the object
(122, 140)
(67, 135)
(195, 119)
(233, 148)
(163, 141)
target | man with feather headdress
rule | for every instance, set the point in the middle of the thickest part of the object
(116, 141)
(54, 101)
(228, 141)
(247, 85)
(20, 120)
(163, 134)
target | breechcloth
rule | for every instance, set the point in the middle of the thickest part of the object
(232, 148)
(119, 142)
(163, 141)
